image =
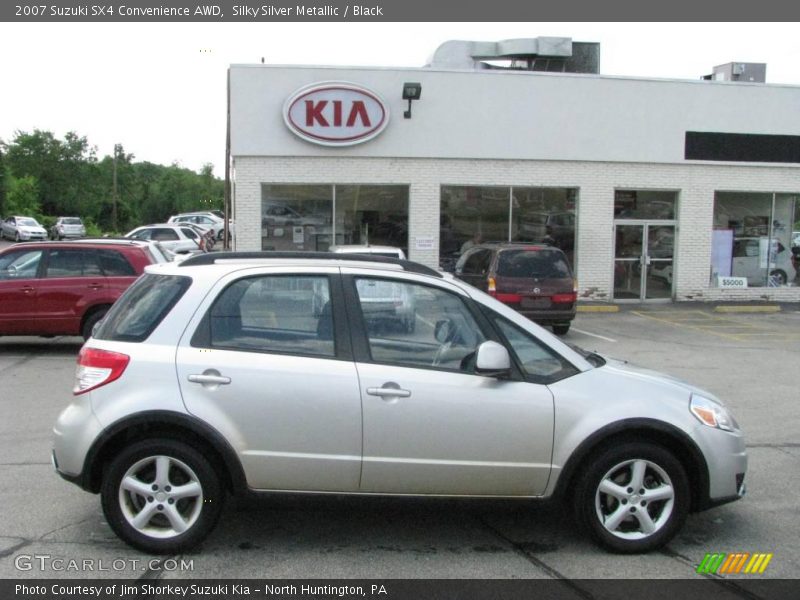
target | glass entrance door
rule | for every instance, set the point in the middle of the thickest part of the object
(643, 261)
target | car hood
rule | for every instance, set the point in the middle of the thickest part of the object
(31, 229)
(645, 375)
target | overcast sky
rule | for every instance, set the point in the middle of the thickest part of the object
(159, 89)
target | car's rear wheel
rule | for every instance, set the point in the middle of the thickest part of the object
(161, 496)
(779, 277)
(633, 497)
(562, 329)
(91, 320)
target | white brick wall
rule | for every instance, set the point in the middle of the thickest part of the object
(596, 182)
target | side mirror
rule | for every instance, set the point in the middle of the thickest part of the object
(492, 360)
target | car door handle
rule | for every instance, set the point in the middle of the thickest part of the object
(27, 289)
(389, 390)
(95, 286)
(209, 378)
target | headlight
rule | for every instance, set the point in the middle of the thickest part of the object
(711, 413)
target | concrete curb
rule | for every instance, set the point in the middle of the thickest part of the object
(770, 308)
(595, 308)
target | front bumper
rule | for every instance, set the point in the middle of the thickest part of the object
(726, 458)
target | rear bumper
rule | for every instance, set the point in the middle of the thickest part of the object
(546, 317)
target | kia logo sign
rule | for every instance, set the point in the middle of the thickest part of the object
(335, 114)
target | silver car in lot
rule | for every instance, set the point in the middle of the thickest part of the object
(216, 376)
(67, 227)
(22, 229)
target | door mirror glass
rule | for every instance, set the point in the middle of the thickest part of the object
(492, 360)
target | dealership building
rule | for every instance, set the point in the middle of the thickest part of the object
(657, 190)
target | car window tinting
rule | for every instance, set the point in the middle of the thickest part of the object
(70, 262)
(114, 264)
(538, 362)
(20, 265)
(415, 325)
(142, 307)
(272, 313)
(540, 263)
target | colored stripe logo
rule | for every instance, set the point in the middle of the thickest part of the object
(735, 563)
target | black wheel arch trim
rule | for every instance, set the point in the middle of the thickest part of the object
(665, 435)
(158, 421)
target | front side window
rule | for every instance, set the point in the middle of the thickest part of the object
(273, 313)
(20, 265)
(538, 362)
(414, 325)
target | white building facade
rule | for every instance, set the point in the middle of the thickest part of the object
(657, 190)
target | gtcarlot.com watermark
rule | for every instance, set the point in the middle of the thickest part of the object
(58, 564)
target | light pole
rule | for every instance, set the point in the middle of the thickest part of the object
(114, 191)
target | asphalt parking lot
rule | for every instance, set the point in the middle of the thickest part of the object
(749, 360)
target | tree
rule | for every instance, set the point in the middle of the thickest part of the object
(22, 197)
(61, 168)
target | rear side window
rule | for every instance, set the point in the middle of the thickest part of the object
(285, 314)
(69, 262)
(544, 263)
(115, 264)
(142, 307)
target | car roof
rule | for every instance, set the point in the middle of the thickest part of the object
(308, 259)
(83, 242)
(363, 248)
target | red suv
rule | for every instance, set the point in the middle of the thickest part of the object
(64, 288)
(535, 280)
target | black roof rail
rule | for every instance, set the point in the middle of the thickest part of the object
(212, 257)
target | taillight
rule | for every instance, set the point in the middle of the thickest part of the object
(564, 298)
(491, 286)
(97, 368)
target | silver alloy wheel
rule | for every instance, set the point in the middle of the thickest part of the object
(160, 496)
(634, 499)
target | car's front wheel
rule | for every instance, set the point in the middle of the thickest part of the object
(161, 496)
(633, 497)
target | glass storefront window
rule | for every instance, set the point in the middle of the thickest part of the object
(545, 215)
(474, 214)
(753, 240)
(645, 204)
(296, 217)
(311, 217)
(372, 214)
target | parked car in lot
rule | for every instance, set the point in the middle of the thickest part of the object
(213, 376)
(180, 239)
(22, 229)
(751, 259)
(206, 220)
(535, 280)
(67, 227)
(64, 288)
(384, 302)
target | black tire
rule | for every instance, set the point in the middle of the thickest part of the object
(664, 503)
(561, 329)
(185, 468)
(91, 320)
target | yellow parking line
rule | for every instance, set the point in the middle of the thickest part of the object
(723, 327)
(679, 324)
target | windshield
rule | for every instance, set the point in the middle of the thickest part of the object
(71, 221)
(542, 263)
(27, 222)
